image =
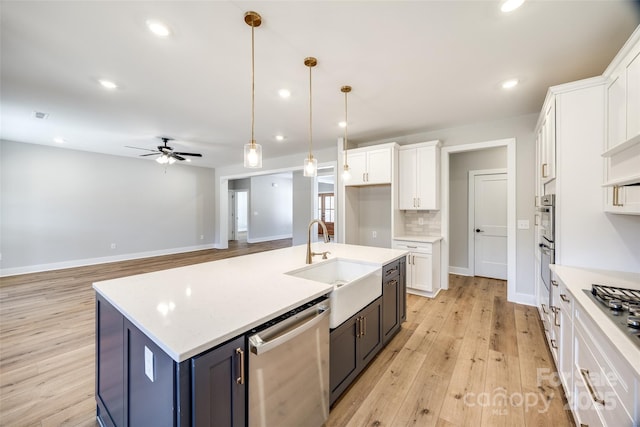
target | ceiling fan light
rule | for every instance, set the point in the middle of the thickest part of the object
(163, 159)
(310, 166)
(171, 160)
(252, 155)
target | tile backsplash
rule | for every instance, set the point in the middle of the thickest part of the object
(422, 223)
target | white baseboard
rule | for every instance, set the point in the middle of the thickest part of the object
(269, 238)
(4, 272)
(462, 271)
(526, 299)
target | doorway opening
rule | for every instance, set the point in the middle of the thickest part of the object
(238, 215)
(446, 222)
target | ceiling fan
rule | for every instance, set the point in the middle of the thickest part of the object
(167, 155)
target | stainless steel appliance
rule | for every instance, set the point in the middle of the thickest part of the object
(547, 237)
(289, 368)
(622, 305)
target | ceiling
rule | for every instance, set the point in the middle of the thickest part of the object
(414, 67)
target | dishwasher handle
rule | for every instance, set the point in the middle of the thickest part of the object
(259, 346)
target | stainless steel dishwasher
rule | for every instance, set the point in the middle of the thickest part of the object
(289, 369)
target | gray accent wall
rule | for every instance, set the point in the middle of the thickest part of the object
(459, 166)
(62, 207)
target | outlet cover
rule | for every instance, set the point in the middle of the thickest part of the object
(148, 363)
(523, 224)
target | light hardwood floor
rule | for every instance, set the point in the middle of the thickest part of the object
(467, 357)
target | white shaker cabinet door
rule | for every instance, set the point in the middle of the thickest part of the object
(379, 166)
(616, 119)
(428, 183)
(407, 179)
(421, 271)
(633, 97)
(358, 168)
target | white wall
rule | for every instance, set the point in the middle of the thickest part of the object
(270, 208)
(302, 207)
(459, 166)
(63, 208)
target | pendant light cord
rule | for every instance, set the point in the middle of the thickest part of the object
(253, 96)
(310, 128)
(345, 145)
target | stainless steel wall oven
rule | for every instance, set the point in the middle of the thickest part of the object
(547, 239)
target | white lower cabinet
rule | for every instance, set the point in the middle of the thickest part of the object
(423, 266)
(601, 388)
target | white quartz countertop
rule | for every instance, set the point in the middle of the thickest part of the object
(188, 310)
(579, 279)
(421, 239)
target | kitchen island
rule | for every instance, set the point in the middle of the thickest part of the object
(161, 322)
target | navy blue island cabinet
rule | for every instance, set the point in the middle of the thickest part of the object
(138, 384)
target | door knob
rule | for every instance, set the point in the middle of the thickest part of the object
(479, 231)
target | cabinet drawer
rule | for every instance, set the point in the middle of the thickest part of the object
(615, 381)
(425, 248)
(595, 387)
(390, 271)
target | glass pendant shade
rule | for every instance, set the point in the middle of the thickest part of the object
(310, 166)
(252, 155)
(163, 159)
(346, 173)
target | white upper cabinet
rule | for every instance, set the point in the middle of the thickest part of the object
(419, 176)
(622, 148)
(370, 166)
(547, 143)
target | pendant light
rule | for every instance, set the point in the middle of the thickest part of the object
(252, 151)
(310, 164)
(346, 174)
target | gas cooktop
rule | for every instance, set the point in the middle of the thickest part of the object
(622, 305)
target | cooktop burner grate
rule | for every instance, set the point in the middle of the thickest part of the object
(607, 293)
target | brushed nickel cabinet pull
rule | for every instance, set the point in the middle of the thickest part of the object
(564, 298)
(536, 220)
(592, 391)
(616, 196)
(544, 309)
(554, 283)
(359, 327)
(553, 344)
(391, 271)
(418, 201)
(556, 320)
(544, 170)
(240, 379)
(364, 327)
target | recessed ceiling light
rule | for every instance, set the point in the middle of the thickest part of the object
(510, 84)
(511, 5)
(284, 93)
(279, 137)
(59, 140)
(108, 84)
(342, 124)
(158, 28)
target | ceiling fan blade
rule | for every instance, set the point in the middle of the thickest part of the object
(138, 148)
(150, 154)
(188, 154)
(176, 156)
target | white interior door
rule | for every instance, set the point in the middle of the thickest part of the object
(490, 225)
